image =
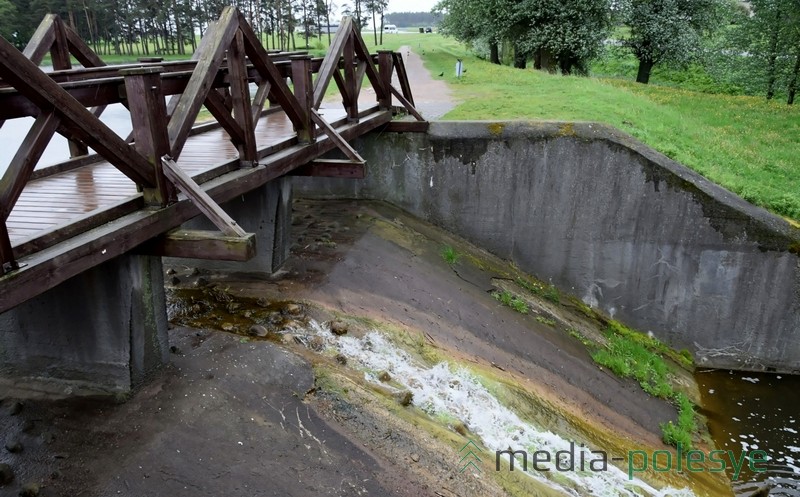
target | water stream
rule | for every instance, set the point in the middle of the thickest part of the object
(453, 392)
(756, 411)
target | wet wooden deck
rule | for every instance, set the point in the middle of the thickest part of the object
(63, 198)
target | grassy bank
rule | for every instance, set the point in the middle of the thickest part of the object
(745, 144)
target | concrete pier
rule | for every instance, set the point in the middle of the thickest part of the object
(99, 333)
(265, 211)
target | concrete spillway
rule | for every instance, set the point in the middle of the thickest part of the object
(602, 216)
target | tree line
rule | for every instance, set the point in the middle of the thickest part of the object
(755, 44)
(162, 27)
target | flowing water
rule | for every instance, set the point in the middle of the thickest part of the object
(452, 392)
(756, 411)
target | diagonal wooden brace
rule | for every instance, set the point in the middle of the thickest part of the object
(335, 137)
(201, 199)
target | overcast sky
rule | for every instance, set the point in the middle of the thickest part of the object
(410, 5)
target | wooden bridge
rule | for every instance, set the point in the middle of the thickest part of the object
(59, 221)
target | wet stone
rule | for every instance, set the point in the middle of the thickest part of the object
(170, 272)
(404, 398)
(385, 377)
(338, 328)
(316, 344)
(29, 490)
(257, 331)
(14, 446)
(262, 302)
(341, 359)
(293, 309)
(175, 281)
(15, 408)
(227, 327)
(415, 457)
(6, 474)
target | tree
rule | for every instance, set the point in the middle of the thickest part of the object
(567, 33)
(668, 31)
(376, 8)
(8, 13)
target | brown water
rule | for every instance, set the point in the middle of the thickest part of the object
(756, 411)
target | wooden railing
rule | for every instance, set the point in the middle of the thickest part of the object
(229, 57)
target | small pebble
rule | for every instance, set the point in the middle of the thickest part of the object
(14, 446)
(341, 359)
(174, 281)
(257, 331)
(404, 398)
(174, 349)
(293, 309)
(338, 328)
(415, 457)
(385, 377)
(227, 327)
(15, 408)
(29, 490)
(170, 272)
(6, 474)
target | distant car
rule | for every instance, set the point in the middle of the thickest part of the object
(429, 30)
(390, 28)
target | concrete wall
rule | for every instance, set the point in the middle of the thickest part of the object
(98, 333)
(265, 211)
(605, 218)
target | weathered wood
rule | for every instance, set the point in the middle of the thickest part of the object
(332, 168)
(46, 94)
(280, 91)
(342, 86)
(260, 98)
(240, 93)
(47, 268)
(361, 68)
(215, 103)
(407, 126)
(350, 82)
(207, 245)
(7, 262)
(148, 118)
(374, 78)
(410, 108)
(386, 68)
(21, 167)
(402, 77)
(335, 137)
(201, 199)
(81, 51)
(42, 40)
(301, 79)
(200, 83)
(330, 63)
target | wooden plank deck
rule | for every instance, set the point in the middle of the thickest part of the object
(57, 201)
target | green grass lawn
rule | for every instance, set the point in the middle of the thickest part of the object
(746, 144)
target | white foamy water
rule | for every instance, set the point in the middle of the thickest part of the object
(456, 393)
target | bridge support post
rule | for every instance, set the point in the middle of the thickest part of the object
(99, 333)
(265, 211)
(304, 91)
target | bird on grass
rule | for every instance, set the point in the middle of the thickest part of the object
(441, 74)
(464, 71)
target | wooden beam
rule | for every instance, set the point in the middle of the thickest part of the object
(363, 54)
(386, 66)
(201, 199)
(30, 81)
(42, 40)
(21, 167)
(259, 99)
(410, 108)
(7, 262)
(200, 82)
(207, 245)
(350, 81)
(335, 137)
(402, 77)
(301, 80)
(332, 168)
(266, 68)
(215, 103)
(148, 118)
(240, 93)
(407, 126)
(330, 63)
(81, 51)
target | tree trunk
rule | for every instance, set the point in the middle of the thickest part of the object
(494, 53)
(793, 81)
(773, 56)
(382, 26)
(643, 75)
(520, 58)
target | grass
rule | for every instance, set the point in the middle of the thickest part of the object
(746, 144)
(450, 255)
(508, 299)
(630, 354)
(549, 292)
